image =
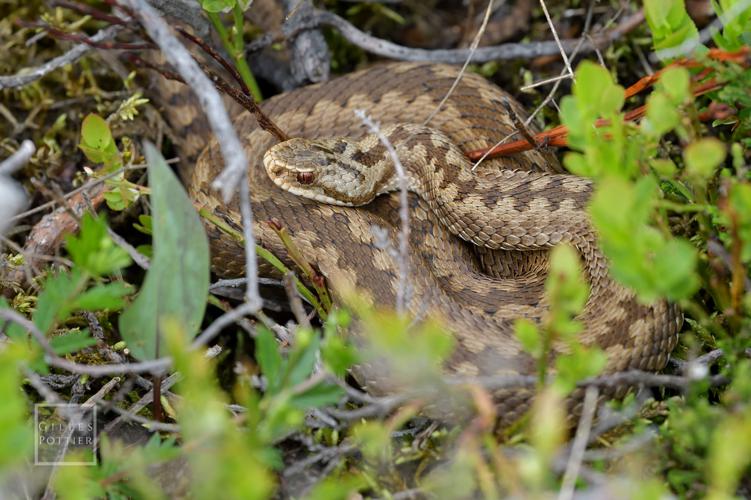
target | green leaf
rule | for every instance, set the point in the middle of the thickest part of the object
(580, 364)
(337, 488)
(664, 167)
(740, 201)
(669, 22)
(529, 337)
(107, 296)
(736, 30)
(374, 439)
(675, 82)
(16, 434)
(97, 142)
(317, 396)
(675, 266)
(302, 359)
(662, 115)
(93, 250)
(268, 358)
(338, 355)
(595, 90)
(55, 302)
(640, 256)
(566, 290)
(703, 157)
(144, 224)
(215, 6)
(595, 124)
(72, 342)
(177, 282)
(95, 133)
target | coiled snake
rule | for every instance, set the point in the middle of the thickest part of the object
(511, 209)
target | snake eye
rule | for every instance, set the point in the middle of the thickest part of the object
(305, 177)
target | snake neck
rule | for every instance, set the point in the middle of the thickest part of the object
(506, 209)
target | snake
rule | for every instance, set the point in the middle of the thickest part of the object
(479, 239)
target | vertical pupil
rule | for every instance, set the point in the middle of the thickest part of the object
(305, 177)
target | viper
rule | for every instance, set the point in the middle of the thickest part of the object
(479, 240)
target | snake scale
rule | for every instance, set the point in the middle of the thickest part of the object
(511, 210)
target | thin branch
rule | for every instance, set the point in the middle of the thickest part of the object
(18, 159)
(472, 49)
(391, 50)
(557, 40)
(236, 163)
(29, 75)
(219, 323)
(403, 290)
(580, 444)
(140, 259)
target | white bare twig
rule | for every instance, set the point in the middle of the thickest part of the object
(28, 75)
(580, 444)
(140, 259)
(17, 159)
(12, 196)
(403, 290)
(391, 50)
(236, 163)
(557, 82)
(472, 49)
(557, 40)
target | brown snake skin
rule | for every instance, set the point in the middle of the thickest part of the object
(477, 293)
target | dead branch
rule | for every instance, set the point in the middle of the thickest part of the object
(235, 171)
(29, 75)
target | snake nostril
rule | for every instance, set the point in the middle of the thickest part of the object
(305, 177)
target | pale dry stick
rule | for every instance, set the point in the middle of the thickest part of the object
(403, 294)
(140, 259)
(13, 198)
(557, 40)
(553, 79)
(632, 445)
(225, 319)
(52, 359)
(295, 302)
(579, 446)
(235, 170)
(88, 185)
(252, 291)
(18, 159)
(391, 50)
(29, 75)
(563, 76)
(238, 282)
(472, 49)
(150, 424)
(688, 46)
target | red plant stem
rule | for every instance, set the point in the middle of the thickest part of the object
(557, 136)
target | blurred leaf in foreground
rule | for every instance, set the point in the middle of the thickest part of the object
(177, 282)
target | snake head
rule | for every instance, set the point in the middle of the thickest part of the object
(333, 171)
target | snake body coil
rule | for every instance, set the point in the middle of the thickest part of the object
(511, 209)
